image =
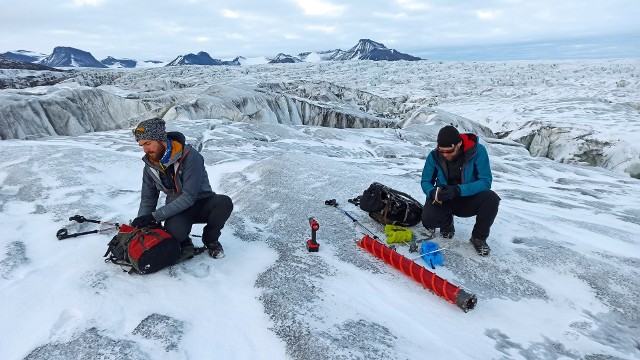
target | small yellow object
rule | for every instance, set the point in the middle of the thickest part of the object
(398, 234)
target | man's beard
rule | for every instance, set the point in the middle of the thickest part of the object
(156, 156)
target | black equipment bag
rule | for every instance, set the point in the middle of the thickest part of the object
(389, 206)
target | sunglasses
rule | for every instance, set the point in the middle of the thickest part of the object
(138, 130)
(447, 151)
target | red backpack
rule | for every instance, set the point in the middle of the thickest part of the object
(143, 251)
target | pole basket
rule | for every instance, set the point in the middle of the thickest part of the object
(441, 287)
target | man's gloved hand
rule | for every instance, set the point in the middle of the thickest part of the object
(142, 221)
(448, 192)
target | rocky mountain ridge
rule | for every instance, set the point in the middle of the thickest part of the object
(64, 56)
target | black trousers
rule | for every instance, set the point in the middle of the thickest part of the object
(213, 211)
(484, 206)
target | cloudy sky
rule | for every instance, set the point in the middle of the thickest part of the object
(163, 29)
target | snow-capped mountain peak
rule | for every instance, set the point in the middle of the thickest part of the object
(64, 56)
(284, 58)
(9, 63)
(325, 55)
(367, 45)
(24, 56)
(112, 62)
(201, 58)
(367, 49)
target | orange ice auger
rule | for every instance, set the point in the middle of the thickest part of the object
(453, 294)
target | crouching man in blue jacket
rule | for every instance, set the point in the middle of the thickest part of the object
(177, 169)
(457, 181)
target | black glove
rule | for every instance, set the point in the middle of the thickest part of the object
(142, 221)
(448, 192)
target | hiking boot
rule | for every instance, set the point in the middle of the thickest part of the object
(215, 249)
(481, 246)
(187, 250)
(447, 231)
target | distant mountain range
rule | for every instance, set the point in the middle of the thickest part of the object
(7, 63)
(24, 56)
(68, 57)
(201, 58)
(326, 55)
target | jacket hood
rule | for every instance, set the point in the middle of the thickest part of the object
(468, 141)
(177, 136)
(469, 145)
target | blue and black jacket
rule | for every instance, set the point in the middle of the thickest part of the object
(476, 171)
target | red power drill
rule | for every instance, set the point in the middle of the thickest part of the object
(312, 244)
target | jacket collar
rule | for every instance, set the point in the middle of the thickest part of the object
(177, 146)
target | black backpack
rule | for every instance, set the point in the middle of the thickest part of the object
(389, 206)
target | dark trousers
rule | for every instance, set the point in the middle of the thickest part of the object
(484, 206)
(213, 211)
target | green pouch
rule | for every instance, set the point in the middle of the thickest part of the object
(398, 234)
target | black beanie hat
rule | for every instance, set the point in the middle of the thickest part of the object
(152, 129)
(448, 137)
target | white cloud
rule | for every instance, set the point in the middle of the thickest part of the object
(236, 36)
(321, 28)
(202, 38)
(63, 32)
(413, 4)
(320, 7)
(230, 14)
(80, 3)
(486, 14)
(166, 28)
(396, 16)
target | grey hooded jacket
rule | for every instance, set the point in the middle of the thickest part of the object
(191, 182)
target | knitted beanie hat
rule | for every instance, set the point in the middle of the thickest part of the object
(448, 137)
(151, 129)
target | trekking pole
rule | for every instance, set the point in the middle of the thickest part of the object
(64, 233)
(80, 219)
(334, 203)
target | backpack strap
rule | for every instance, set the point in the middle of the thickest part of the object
(176, 167)
(405, 197)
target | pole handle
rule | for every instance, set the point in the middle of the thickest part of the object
(63, 234)
(81, 219)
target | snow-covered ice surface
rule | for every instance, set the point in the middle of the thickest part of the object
(561, 282)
